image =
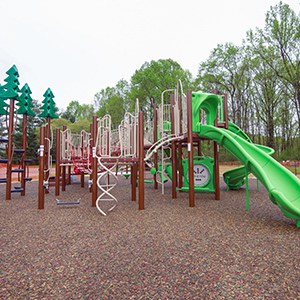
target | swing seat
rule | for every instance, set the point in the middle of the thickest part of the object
(59, 202)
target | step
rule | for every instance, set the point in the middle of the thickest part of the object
(17, 190)
(3, 140)
(3, 180)
(27, 179)
(19, 150)
(17, 170)
(3, 160)
(59, 202)
(28, 160)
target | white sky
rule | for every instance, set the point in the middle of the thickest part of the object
(79, 47)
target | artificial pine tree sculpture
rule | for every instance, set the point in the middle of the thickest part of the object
(25, 105)
(48, 111)
(25, 101)
(3, 104)
(10, 91)
(49, 107)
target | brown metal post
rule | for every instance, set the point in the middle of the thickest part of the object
(94, 163)
(47, 150)
(141, 162)
(225, 111)
(217, 171)
(63, 179)
(199, 152)
(24, 146)
(10, 149)
(41, 193)
(180, 171)
(57, 165)
(91, 148)
(155, 156)
(133, 177)
(69, 175)
(82, 179)
(173, 149)
(190, 150)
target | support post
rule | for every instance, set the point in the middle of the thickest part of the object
(41, 194)
(190, 150)
(23, 159)
(57, 164)
(247, 192)
(133, 177)
(10, 149)
(217, 171)
(141, 162)
(154, 141)
(173, 149)
(94, 162)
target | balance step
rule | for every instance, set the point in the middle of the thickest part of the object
(27, 179)
(3, 180)
(28, 160)
(19, 150)
(17, 170)
(3, 160)
(59, 202)
(3, 140)
(17, 190)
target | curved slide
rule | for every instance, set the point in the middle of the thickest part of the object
(236, 177)
(282, 185)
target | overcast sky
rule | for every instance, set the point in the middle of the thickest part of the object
(79, 47)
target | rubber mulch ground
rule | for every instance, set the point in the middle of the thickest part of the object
(216, 250)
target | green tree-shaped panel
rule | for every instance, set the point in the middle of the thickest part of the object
(49, 107)
(3, 104)
(25, 101)
(11, 88)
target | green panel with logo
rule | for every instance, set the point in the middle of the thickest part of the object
(203, 174)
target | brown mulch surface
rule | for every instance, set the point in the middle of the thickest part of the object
(216, 250)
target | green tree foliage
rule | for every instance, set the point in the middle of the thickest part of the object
(148, 83)
(225, 71)
(114, 101)
(76, 111)
(282, 34)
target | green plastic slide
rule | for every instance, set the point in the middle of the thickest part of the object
(282, 185)
(236, 177)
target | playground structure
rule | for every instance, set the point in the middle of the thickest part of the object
(171, 149)
(178, 129)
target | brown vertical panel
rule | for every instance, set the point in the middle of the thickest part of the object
(41, 192)
(217, 171)
(57, 164)
(190, 150)
(141, 162)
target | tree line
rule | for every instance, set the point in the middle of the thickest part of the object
(261, 78)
